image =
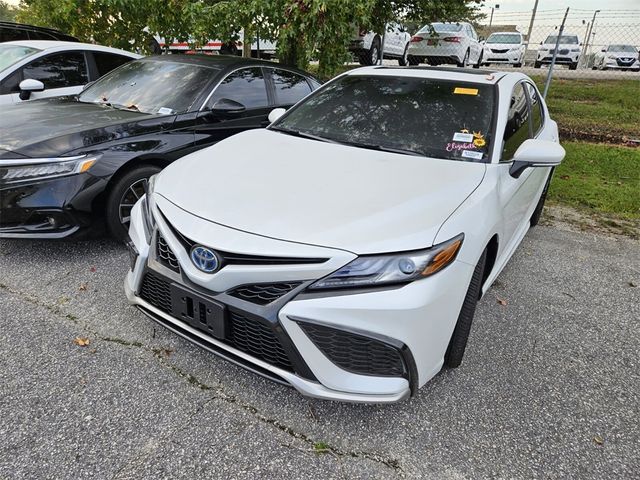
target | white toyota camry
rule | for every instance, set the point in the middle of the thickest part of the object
(343, 250)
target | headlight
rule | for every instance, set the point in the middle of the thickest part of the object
(20, 170)
(612, 57)
(146, 206)
(544, 49)
(373, 270)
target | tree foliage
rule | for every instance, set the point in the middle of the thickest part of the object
(304, 29)
(7, 12)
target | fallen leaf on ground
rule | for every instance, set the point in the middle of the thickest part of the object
(92, 269)
(598, 440)
(501, 301)
(83, 287)
(633, 284)
(81, 341)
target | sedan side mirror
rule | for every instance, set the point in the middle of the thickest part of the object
(604, 50)
(536, 153)
(29, 85)
(226, 105)
(276, 113)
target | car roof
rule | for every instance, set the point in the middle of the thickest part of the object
(500, 33)
(223, 62)
(488, 77)
(60, 45)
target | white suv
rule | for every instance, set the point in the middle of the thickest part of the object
(366, 46)
(504, 47)
(568, 51)
(440, 43)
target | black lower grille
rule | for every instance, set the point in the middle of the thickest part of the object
(258, 340)
(356, 353)
(243, 333)
(166, 255)
(264, 293)
(157, 292)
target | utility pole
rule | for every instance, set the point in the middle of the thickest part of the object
(586, 44)
(491, 19)
(555, 54)
(533, 17)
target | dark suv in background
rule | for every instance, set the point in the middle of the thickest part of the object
(10, 32)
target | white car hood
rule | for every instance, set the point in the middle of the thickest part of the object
(289, 188)
(502, 46)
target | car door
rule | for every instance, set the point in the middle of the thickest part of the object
(518, 196)
(62, 73)
(474, 45)
(241, 101)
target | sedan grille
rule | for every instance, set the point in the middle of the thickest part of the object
(166, 255)
(356, 353)
(263, 294)
(243, 333)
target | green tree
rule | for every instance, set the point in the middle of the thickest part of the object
(7, 12)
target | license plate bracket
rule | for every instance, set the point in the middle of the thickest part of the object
(198, 311)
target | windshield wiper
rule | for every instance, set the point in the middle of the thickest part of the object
(383, 148)
(298, 133)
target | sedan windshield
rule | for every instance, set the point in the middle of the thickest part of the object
(415, 116)
(443, 27)
(151, 86)
(564, 40)
(622, 48)
(504, 38)
(11, 54)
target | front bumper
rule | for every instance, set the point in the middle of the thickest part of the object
(413, 322)
(622, 64)
(48, 209)
(507, 57)
(561, 58)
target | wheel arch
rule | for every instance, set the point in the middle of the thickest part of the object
(492, 254)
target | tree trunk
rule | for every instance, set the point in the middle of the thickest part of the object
(247, 40)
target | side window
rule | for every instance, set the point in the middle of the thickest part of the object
(246, 86)
(10, 83)
(108, 61)
(35, 35)
(10, 34)
(59, 70)
(290, 87)
(517, 128)
(537, 114)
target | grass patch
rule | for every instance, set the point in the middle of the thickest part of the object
(597, 108)
(602, 178)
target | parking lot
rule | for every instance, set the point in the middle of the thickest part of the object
(549, 387)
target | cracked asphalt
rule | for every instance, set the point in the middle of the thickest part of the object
(549, 387)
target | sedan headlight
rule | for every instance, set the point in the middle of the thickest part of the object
(146, 206)
(544, 49)
(374, 270)
(25, 169)
(612, 57)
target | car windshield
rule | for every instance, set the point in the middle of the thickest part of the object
(415, 116)
(564, 40)
(443, 27)
(150, 86)
(504, 38)
(622, 48)
(11, 54)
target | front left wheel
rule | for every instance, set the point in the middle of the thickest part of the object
(458, 342)
(122, 196)
(403, 61)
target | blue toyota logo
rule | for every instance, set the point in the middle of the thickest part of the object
(204, 259)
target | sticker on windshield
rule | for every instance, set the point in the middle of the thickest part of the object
(478, 139)
(463, 137)
(165, 111)
(472, 154)
(465, 91)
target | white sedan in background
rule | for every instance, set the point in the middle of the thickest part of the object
(33, 69)
(442, 43)
(343, 250)
(504, 48)
(617, 57)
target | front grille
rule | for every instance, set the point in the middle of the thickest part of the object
(563, 51)
(157, 292)
(166, 255)
(499, 50)
(257, 340)
(356, 353)
(263, 294)
(243, 333)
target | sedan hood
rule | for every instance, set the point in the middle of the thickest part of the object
(289, 188)
(53, 127)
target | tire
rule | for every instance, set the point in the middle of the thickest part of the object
(636, 70)
(465, 60)
(121, 197)
(537, 64)
(479, 62)
(403, 61)
(537, 213)
(573, 66)
(458, 342)
(594, 68)
(372, 56)
(517, 65)
(413, 61)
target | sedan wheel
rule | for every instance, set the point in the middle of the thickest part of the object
(124, 194)
(404, 60)
(465, 60)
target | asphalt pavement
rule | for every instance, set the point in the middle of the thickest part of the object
(549, 388)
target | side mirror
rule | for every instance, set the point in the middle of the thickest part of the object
(29, 85)
(540, 43)
(226, 105)
(276, 113)
(536, 153)
(604, 50)
(481, 38)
